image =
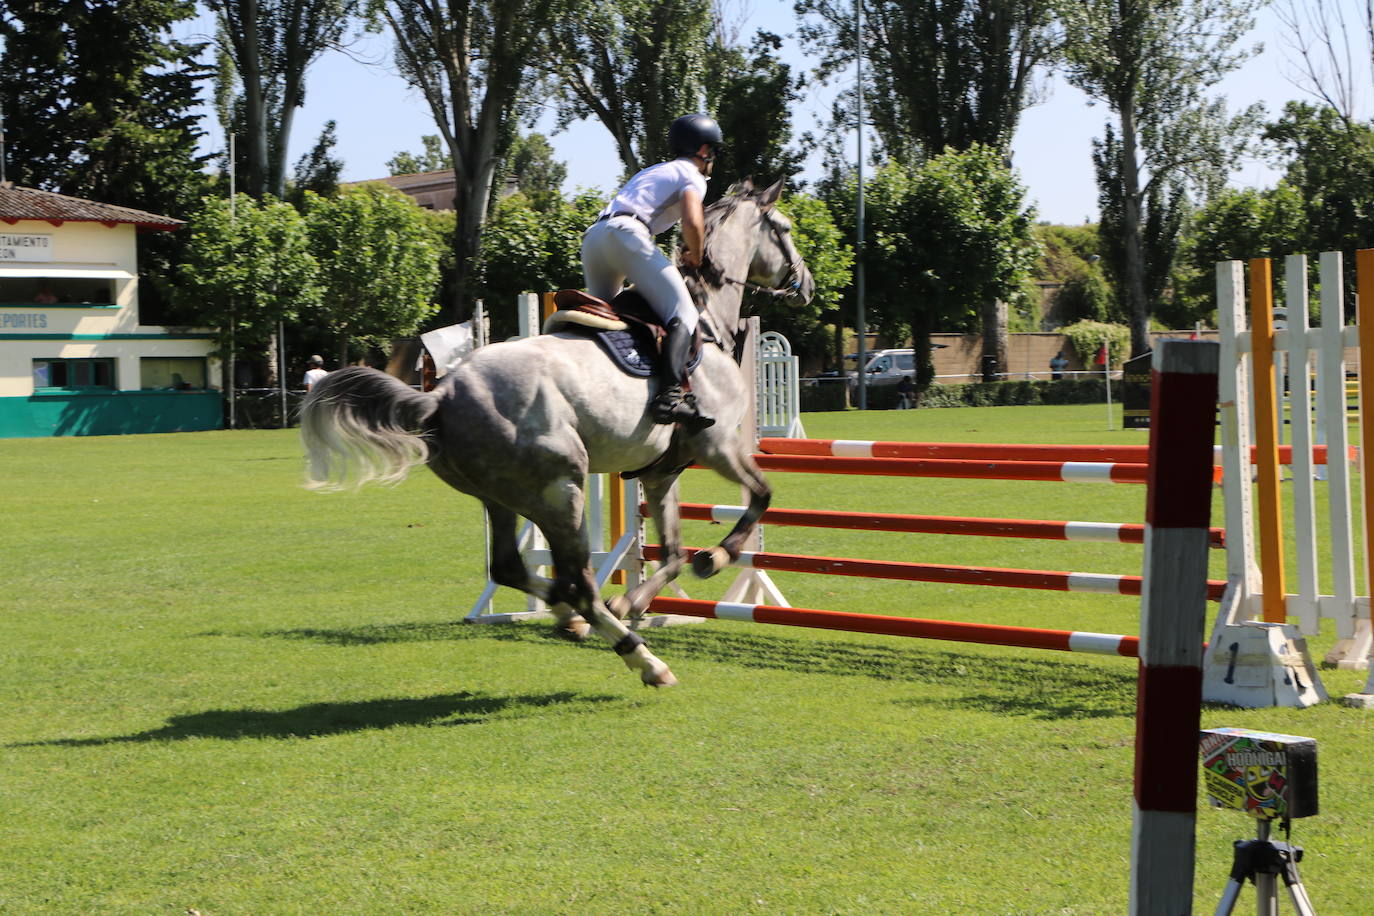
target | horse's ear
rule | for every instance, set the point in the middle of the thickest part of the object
(742, 187)
(771, 194)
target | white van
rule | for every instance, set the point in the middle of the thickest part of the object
(886, 367)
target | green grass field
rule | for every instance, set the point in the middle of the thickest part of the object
(225, 694)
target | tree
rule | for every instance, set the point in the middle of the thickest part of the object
(529, 166)
(378, 265)
(1236, 225)
(272, 43)
(1152, 62)
(318, 170)
(944, 238)
(752, 94)
(474, 64)
(528, 249)
(99, 101)
(634, 65)
(941, 74)
(1072, 257)
(433, 159)
(1329, 161)
(971, 226)
(247, 267)
(821, 244)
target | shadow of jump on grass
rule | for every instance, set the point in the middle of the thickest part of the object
(1045, 685)
(316, 720)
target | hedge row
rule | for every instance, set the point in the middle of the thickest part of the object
(1014, 393)
(827, 396)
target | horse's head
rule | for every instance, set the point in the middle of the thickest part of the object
(776, 265)
(748, 246)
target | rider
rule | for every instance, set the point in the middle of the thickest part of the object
(620, 244)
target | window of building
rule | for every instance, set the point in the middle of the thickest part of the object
(73, 374)
(59, 291)
(179, 373)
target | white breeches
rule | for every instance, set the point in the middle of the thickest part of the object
(621, 247)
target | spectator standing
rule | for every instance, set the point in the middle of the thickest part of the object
(315, 372)
(905, 388)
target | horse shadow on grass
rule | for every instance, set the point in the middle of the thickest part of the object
(1050, 686)
(316, 720)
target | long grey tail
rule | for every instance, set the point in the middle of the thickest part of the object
(360, 425)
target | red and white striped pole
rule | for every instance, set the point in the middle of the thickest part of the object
(1183, 410)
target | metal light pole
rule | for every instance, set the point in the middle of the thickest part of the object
(2, 142)
(860, 326)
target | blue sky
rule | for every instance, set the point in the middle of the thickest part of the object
(378, 115)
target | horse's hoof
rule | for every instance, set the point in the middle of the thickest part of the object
(663, 678)
(619, 605)
(707, 563)
(576, 630)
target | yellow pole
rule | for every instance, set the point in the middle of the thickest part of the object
(549, 307)
(617, 519)
(1268, 500)
(1364, 290)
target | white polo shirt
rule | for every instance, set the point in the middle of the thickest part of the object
(655, 194)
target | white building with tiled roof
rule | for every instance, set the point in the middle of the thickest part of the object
(74, 357)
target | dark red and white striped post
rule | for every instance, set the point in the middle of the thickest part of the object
(1183, 409)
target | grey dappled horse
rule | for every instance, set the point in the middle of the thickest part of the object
(521, 424)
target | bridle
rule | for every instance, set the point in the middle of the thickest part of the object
(709, 272)
(792, 283)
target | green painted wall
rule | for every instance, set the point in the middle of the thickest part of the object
(110, 413)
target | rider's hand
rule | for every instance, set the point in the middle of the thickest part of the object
(691, 257)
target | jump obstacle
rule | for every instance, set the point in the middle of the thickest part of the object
(1253, 670)
(1176, 537)
(1251, 634)
(1174, 589)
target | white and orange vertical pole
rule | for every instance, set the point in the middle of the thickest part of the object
(1364, 291)
(1268, 502)
(1183, 411)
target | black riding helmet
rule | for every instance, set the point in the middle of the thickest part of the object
(688, 132)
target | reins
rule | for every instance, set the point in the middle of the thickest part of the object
(708, 274)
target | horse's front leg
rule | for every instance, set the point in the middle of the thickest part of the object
(661, 493)
(738, 465)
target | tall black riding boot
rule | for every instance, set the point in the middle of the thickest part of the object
(674, 404)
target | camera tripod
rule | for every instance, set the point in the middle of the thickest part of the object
(1264, 862)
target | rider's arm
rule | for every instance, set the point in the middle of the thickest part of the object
(693, 228)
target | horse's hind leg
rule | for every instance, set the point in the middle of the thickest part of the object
(508, 568)
(734, 464)
(576, 585)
